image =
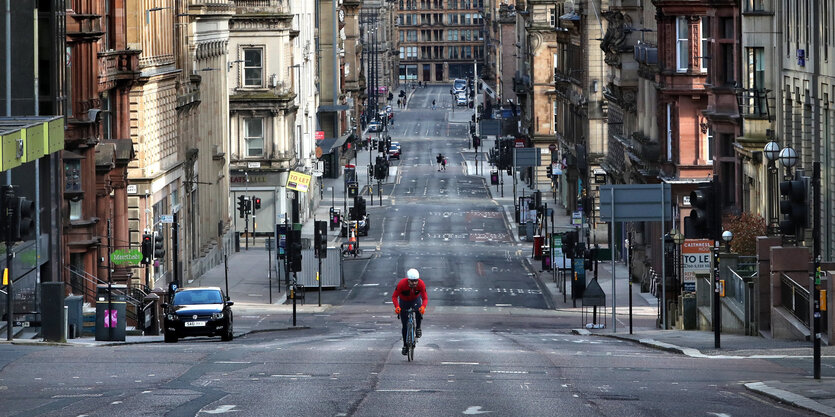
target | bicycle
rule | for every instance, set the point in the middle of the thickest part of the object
(411, 339)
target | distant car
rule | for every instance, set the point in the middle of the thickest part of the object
(461, 100)
(375, 127)
(199, 311)
(362, 227)
(394, 151)
(459, 85)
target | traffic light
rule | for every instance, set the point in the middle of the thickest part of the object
(352, 190)
(241, 206)
(320, 238)
(23, 222)
(248, 205)
(795, 206)
(470, 104)
(147, 248)
(294, 250)
(702, 216)
(359, 202)
(159, 245)
(257, 202)
(476, 141)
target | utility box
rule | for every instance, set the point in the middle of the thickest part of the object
(75, 315)
(52, 312)
(110, 312)
(688, 309)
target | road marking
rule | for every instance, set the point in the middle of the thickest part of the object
(369, 285)
(460, 363)
(475, 409)
(291, 376)
(504, 305)
(233, 362)
(226, 408)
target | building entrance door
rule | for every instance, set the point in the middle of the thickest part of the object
(426, 72)
(439, 72)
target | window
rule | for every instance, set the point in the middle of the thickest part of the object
(252, 67)
(756, 81)
(552, 16)
(728, 64)
(556, 112)
(72, 175)
(756, 5)
(709, 145)
(682, 44)
(411, 36)
(556, 64)
(704, 28)
(402, 52)
(254, 136)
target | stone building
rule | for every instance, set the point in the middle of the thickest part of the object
(101, 70)
(439, 40)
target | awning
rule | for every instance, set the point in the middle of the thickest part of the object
(330, 108)
(329, 144)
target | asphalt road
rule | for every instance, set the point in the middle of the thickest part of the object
(491, 344)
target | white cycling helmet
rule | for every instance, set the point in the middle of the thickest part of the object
(413, 274)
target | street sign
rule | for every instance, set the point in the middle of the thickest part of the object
(129, 257)
(526, 157)
(577, 218)
(320, 135)
(635, 202)
(166, 218)
(695, 261)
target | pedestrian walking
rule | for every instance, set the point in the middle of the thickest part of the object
(433, 104)
(438, 159)
(443, 164)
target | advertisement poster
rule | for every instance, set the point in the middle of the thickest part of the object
(695, 261)
(298, 181)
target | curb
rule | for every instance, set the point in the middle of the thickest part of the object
(790, 398)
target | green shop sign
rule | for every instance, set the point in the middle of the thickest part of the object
(121, 256)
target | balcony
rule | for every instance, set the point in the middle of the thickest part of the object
(118, 66)
(754, 103)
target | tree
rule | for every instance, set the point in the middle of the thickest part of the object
(746, 227)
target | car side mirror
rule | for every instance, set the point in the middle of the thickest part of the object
(230, 303)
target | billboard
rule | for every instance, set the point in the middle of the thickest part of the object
(695, 261)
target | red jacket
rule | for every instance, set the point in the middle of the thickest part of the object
(405, 293)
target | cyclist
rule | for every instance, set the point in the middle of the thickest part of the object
(411, 292)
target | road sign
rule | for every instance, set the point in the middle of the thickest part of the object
(695, 261)
(129, 257)
(526, 157)
(552, 147)
(320, 135)
(635, 202)
(166, 218)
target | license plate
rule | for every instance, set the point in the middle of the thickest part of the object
(195, 323)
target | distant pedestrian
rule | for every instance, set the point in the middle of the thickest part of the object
(433, 104)
(443, 164)
(439, 159)
(398, 103)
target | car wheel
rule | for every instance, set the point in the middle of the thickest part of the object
(229, 335)
(170, 337)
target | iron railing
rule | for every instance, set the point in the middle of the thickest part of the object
(795, 298)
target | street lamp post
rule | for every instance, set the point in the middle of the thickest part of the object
(772, 152)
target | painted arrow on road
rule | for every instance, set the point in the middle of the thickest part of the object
(475, 409)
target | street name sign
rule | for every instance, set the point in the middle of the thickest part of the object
(129, 257)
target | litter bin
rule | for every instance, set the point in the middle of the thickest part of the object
(110, 312)
(537, 247)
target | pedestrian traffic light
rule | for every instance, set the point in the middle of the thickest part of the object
(352, 190)
(159, 245)
(360, 204)
(494, 177)
(241, 206)
(702, 215)
(549, 172)
(23, 222)
(248, 204)
(476, 141)
(294, 250)
(470, 104)
(257, 202)
(147, 248)
(320, 239)
(794, 207)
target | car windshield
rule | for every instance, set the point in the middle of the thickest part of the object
(459, 84)
(198, 297)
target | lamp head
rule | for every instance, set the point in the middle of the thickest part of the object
(771, 151)
(788, 157)
(727, 236)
